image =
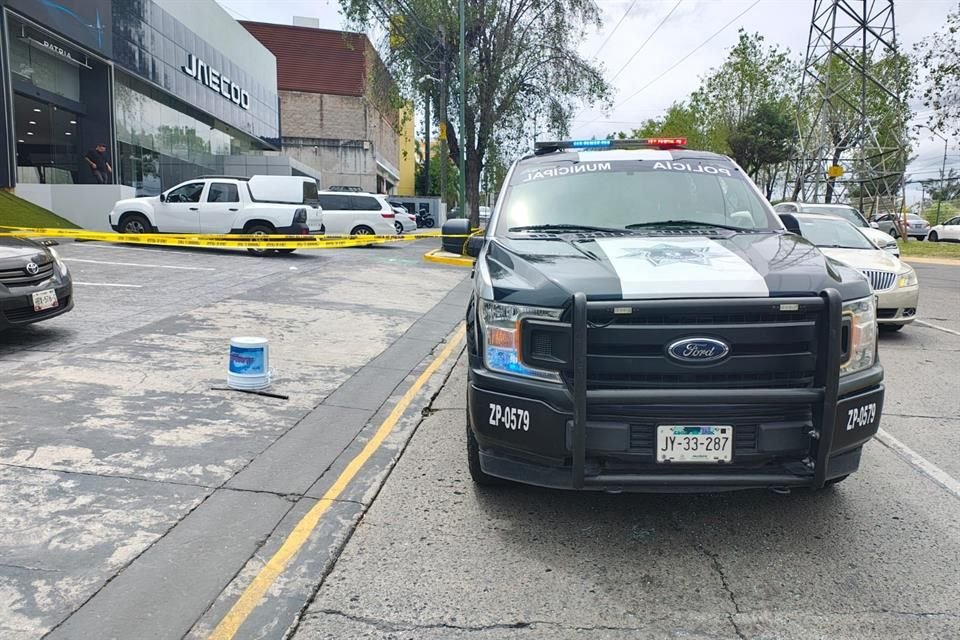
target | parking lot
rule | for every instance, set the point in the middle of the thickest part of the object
(130, 484)
(141, 501)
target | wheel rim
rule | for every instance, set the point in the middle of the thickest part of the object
(363, 231)
(258, 234)
(134, 226)
(398, 226)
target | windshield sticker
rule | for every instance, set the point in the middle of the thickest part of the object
(556, 172)
(664, 254)
(686, 166)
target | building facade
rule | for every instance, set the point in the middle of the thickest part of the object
(337, 108)
(174, 89)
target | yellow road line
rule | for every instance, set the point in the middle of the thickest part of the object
(252, 595)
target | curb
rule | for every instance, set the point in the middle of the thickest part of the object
(444, 257)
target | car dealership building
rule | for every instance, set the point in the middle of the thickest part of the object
(174, 89)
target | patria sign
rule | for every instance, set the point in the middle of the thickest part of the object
(210, 77)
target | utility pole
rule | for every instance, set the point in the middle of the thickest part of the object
(463, 111)
(943, 173)
(444, 160)
(427, 124)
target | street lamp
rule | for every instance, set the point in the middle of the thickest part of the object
(443, 134)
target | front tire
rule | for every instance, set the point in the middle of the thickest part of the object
(428, 223)
(933, 237)
(135, 223)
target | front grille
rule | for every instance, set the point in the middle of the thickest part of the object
(769, 348)
(20, 277)
(27, 314)
(880, 280)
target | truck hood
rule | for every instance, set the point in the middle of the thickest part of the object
(153, 201)
(547, 271)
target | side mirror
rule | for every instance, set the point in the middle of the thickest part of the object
(874, 225)
(791, 223)
(163, 197)
(474, 245)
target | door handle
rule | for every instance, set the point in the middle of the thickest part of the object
(194, 208)
(234, 209)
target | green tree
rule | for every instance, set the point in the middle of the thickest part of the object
(763, 140)
(453, 174)
(939, 56)
(678, 121)
(522, 59)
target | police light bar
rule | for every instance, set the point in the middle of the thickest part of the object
(541, 148)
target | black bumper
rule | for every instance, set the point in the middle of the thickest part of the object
(603, 439)
(16, 304)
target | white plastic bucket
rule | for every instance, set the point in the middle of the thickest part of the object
(249, 365)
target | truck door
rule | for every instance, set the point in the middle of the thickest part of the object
(179, 212)
(220, 207)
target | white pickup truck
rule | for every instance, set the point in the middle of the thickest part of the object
(219, 205)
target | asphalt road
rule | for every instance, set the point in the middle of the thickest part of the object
(875, 557)
(135, 497)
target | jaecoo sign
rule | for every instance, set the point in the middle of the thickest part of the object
(207, 75)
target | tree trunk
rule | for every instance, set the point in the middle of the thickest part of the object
(474, 169)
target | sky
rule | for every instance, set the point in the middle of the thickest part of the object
(690, 30)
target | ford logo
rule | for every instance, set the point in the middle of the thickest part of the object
(698, 350)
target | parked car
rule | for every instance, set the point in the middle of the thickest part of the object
(405, 221)
(895, 283)
(917, 227)
(848, 213)
(357, 214)
(35, 284)
(260, 205)
(948, 231)
(484, 216)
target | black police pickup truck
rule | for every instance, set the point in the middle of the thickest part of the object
(642, 321)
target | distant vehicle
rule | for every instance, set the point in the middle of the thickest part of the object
(848, 213)
(261, 205)
(406, 221)
(424, 219)
(895, 283)
(357, 214)
(917, 227)
(35, 284)
(948, 231)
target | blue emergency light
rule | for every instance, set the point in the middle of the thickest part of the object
(541, 148)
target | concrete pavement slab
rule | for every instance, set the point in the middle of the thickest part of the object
(178, 578)
(66, 534)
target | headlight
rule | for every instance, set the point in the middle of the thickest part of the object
(500, 328)
(908, 279)
(862, 338)
(60, 263)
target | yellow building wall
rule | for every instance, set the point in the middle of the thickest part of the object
(408, 161)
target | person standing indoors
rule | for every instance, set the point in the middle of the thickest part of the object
(99, 164)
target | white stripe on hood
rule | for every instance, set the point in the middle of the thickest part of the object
(650, 268)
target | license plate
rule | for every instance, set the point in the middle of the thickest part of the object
(43, 300)
(694, 444)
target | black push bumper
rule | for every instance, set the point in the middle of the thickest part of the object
(601, 439)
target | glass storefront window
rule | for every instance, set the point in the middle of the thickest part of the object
(47, 147)
(43, 69)
(161, 142)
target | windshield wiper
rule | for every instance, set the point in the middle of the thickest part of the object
(666, 224)
(564, 228)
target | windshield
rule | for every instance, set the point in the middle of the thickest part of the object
(619, 194)
(832, 232)
(849, 214)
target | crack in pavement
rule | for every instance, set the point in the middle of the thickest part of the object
(731, 617)
(393, 626)
(8, 565)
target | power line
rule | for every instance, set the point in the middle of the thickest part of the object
(649, 38)
(617, 26)
(684, 58)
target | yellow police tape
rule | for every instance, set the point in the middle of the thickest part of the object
(230, 241)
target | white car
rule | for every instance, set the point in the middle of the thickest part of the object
(259, 205)
(357, 214)
(895, 283)
(848, 213)
(406, 222)
(948, 231)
